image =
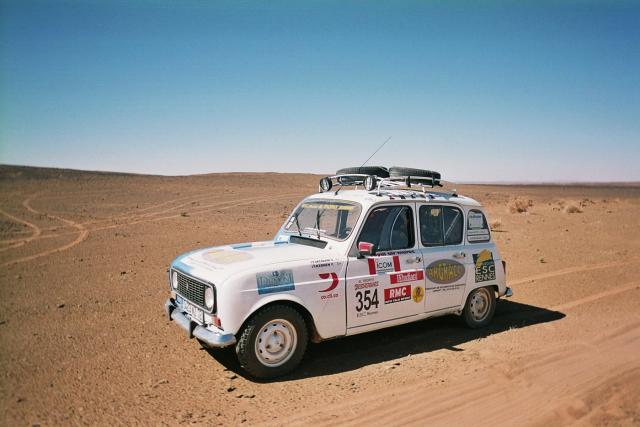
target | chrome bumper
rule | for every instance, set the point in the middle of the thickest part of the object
(210, 338)
(508, 292)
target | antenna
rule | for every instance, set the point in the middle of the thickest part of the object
(374, 153)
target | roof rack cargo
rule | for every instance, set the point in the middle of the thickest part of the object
(394, 177)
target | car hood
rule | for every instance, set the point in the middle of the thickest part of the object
(218, 263)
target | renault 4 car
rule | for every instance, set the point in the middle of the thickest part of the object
(375, 248)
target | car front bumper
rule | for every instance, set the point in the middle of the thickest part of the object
(212, 338)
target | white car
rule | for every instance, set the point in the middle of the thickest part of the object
(347, 261)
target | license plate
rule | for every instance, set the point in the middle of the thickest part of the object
(196, 314)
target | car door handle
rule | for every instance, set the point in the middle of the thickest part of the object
(459, 255)
(412, 260)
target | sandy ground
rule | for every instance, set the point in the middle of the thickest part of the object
(83, 337)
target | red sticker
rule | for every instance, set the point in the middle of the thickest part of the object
(411, 276)
(397, 294)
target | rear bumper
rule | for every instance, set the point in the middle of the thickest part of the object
(508, 292)
(212, 338)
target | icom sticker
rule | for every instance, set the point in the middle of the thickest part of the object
(485, 266)
(445, 271)
(384, 264)
(275, 281)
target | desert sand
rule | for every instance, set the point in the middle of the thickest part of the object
(84, 339)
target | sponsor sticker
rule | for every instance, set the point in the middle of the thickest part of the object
(411, 276)
(417, 294)
(328, 294)
(397, 294)
(221, 256)
(369, 282)
(329, 206)
(384, 264)
(275, 281)
(485, 266)
(475, 220)
(445, 271)
(322, 263)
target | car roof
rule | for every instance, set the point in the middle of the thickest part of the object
(367, 198)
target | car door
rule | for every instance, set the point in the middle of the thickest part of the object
(390, 284)
(445, 258)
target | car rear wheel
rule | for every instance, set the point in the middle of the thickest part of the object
(273, 342)
(480, 307)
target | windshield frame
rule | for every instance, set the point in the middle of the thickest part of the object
(313, 234)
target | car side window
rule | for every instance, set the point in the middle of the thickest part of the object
(477, 227)
(389, 228)
(440, 225)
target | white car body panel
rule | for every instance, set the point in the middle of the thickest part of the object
(332, 284)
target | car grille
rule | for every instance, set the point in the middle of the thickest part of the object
(191, 289)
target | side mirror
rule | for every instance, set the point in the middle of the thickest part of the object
(366, 249)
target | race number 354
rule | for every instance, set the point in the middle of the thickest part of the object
(367, 299)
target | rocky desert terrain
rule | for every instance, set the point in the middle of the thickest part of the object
(84, 338)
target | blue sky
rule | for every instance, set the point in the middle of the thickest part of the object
(502, 91)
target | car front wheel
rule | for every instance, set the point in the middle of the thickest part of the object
(480, 307)
(273, 342)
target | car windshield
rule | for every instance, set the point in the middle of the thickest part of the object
(324, 218)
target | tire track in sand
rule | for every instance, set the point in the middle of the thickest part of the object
(37, 231)
(82, 234)
(571, 270)
(552, 380)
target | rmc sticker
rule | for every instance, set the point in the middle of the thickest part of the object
(397, 294)
(384, 264)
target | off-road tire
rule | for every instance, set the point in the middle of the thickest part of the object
(470, 311)
(379, 171)
(415, 174)
(246, 345)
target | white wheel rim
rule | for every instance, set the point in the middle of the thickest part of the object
(480, 304)
(276, 342)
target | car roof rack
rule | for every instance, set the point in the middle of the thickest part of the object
(373, 183)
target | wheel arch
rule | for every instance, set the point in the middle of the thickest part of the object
(289, 301)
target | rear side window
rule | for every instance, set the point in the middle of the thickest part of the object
(389, 228)
(477, 227)
(440, 225)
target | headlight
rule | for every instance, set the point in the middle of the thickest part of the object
(208, 297)
(174, 280)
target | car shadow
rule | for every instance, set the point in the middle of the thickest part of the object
(447, 332)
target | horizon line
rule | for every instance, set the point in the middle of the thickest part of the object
(506, 182)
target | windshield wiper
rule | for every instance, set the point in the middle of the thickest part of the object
(295, 217)
(318, 215)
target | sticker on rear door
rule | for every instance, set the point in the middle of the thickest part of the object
(445, 271)
(485, 266)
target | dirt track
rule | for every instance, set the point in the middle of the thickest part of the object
(84, 340)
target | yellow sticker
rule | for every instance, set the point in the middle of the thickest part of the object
(226, 256)
(417, 294)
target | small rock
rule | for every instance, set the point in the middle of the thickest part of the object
(60, 305)
(123, 272)
(239, 396)
(542, 261)
(230, 389)
(232, 376)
